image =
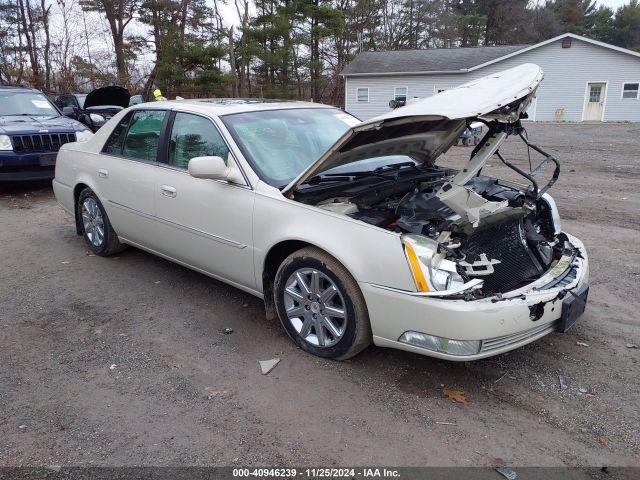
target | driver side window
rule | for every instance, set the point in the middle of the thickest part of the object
(194, 136)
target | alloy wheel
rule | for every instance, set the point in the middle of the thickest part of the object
(92, 221)
(315, 307)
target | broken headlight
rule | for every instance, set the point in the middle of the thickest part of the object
(430, 269)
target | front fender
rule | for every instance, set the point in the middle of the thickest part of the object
(369, 253)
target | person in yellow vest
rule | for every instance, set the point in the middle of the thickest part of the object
(157, 94)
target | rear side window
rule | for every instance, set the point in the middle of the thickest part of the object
(143, 136)
(116, 139)
(194, 136)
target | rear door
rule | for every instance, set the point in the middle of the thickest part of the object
(127, 175)
(206, 224)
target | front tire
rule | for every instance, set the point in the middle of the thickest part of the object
(96, 229)
(321, 306)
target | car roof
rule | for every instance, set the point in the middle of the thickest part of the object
(228, 106)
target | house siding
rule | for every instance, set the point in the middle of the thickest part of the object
(560, 97)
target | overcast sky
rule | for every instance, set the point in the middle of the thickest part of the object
(613, 3)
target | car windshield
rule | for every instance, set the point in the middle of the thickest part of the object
(81, 99)
(281, 144)
(27, 104)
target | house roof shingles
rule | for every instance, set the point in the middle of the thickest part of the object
(428, 60)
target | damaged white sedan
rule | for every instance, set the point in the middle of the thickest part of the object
(351, 232)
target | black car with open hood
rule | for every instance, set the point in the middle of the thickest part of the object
(99, 106)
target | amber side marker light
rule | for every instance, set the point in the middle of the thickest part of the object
(414, 263)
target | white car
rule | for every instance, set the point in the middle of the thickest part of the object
(349, 231)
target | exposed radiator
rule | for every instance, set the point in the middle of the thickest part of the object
(505, 242)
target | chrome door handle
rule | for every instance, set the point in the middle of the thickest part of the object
(168, 191)
(102, 173)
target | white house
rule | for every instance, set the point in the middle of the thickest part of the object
(584, 80)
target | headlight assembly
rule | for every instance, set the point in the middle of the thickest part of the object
(83, 135)
(431, 270)
(5, 143)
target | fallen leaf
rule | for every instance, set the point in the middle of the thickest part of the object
(582, 344)
(455, 396)
(603, 441)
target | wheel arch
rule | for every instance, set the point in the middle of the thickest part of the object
(274, 258)
(76, 195)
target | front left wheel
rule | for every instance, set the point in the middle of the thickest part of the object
(96, 229)
(320, 305)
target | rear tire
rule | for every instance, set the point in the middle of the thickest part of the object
(95, 226)
(321, 306)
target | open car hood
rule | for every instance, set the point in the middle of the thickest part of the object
(111, 95)
(427, 128)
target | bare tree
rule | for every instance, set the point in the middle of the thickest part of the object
(119, 14)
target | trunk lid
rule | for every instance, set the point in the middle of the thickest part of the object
(427, 128)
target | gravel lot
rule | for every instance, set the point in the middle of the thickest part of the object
(123, 361)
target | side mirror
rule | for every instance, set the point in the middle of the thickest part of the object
(214, 168)
(70, 112)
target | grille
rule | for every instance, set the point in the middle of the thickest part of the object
(505, 242)
(41, 142)
(493, 344)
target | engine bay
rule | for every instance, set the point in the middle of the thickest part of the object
(503, 233)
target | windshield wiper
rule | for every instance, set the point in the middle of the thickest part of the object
(346, 176)
(396, 166)
(328, 178)
(361, 174)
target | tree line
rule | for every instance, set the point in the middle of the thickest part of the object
(265, 48)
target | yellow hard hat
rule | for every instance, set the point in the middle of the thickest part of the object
(157, 93)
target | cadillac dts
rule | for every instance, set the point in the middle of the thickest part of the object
(351, 232)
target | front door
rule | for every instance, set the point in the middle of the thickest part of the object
(596, 93)
(206, 224)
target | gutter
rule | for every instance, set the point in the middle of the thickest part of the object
(434, 72)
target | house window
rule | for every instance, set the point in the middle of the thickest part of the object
(362, 95)
(595, 93)
(400, 94)
(630, 90)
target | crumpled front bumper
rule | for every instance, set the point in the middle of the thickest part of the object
(500, 324)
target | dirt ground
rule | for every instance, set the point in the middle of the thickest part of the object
(123, 361)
